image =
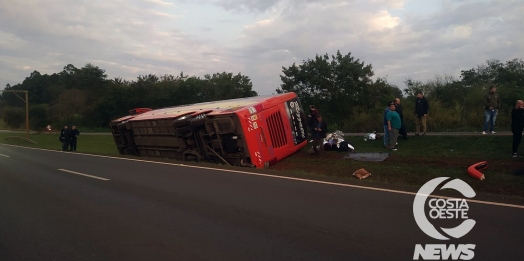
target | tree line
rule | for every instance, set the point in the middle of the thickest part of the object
(342, 88)
(340, 85)
(86, 97)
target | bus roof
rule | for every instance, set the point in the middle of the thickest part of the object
(214, 107)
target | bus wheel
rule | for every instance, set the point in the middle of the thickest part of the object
(181, 122)
(197, 122)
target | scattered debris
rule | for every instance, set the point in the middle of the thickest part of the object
(372, 136)
(473, 170)
(335, 141)
(311, 151)
(361, 174)
(368, 156)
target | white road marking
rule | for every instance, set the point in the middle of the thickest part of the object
(82, 174)
(283, 177)
(3, 155)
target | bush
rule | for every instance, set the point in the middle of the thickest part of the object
(13, 117)
(38, 116)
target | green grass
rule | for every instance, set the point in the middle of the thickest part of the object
(94, 130)
(417, 160)
(481, 146)
(423, 158)
(93, 144)
(80, 128)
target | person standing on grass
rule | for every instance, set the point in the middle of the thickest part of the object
(67, 139)
(517, 125)
(394, 125)
(320, 132)
(492, 106)
(421, 113)
(398, 109)
(312, 119)
(74, 136)
(386, 129)
(62, 137)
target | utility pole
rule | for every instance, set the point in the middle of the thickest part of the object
(26, 107)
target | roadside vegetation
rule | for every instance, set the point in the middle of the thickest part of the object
(417, 160)
(346, 90)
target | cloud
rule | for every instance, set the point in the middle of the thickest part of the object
(459, 36)
(243, 5)
(400, 38)
(161, 3)
(125, 39)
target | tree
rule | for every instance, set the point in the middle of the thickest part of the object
(13, 116)
(38, 116)
(228, 86)
(335, 86)
(69, 104)
(507, 77)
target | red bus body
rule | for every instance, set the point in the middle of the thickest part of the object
(253, 132)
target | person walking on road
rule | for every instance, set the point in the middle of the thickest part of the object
(517, 125)
(74, 136)
(492, 106)
(421, 113)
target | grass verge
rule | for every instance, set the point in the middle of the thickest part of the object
(418, 160)
(421, 159)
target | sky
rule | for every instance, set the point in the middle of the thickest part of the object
(401, 39)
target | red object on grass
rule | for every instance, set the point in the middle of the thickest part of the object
(473, 170)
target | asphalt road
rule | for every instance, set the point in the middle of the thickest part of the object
(146, 211)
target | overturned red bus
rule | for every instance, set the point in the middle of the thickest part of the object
(250, 132)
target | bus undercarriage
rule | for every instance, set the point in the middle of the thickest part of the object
(190, 137)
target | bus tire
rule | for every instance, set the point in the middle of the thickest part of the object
(197, 122)
(178, 123)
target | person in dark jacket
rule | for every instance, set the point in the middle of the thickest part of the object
(492, 106)
(320, 131)
(62, 136)
(312, 119)
(517, 125)
(67, 139)
(398, 109)
(421, 113)
(74, 136)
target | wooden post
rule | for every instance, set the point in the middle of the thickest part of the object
(27, 114)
